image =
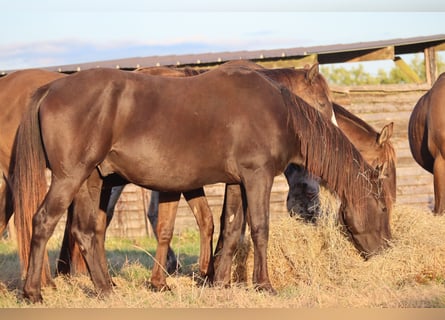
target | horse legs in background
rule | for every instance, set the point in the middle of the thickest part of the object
(173, 264)
(164, 225)
(168, 205)
(197, 201)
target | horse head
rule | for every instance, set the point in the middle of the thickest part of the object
(304, 188)
(315, 91)
(368, 225)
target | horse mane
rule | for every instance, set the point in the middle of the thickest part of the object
(317, 138)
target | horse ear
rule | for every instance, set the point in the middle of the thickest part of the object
(312, 73)
(385, 134)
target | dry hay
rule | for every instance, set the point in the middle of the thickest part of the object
(318, 256)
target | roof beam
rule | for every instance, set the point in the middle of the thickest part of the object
(295, 62)
(385, 53)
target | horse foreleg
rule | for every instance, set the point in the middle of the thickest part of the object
(204, 218)
(109, 199)
(439, 185)
(152, 215)
(232, 227)
(258, 186)
(168, 205)
(88, 228)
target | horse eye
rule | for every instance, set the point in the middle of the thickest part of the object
(321, 103)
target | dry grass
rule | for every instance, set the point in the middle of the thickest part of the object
(312, 265)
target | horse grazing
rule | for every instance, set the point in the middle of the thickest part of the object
(375, 147)
(16, 90)
(307, 83)
(426, 134)
(121, 123)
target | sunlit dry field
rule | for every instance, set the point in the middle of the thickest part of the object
(312, 265)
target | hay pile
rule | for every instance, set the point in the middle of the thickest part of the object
(318, 255)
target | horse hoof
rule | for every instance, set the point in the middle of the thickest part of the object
(33, 298)
(173, 268)
(204, 280)
(266, 288)
(103, 294)
(221, 284)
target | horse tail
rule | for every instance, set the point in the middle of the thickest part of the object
(28, 179)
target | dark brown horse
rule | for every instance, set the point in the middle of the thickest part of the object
(302, 199)
(426, 133)
(178, 134)
(307, 83)
(16, 90)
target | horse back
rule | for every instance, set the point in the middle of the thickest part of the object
(114, 119)
(15, 93)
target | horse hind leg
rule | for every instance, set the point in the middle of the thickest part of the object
(172, 264)
(168, 205)
(57, 200)
(439, 185)
(88, 229)
(71, 261)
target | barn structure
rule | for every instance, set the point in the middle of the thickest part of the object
(377, 105)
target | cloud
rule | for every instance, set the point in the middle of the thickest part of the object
(71, 51)
(45, 54)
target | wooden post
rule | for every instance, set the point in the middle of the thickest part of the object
(405, 68)
(430, 65)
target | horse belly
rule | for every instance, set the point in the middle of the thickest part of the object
(179, 173)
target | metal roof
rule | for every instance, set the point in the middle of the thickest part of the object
(324, 54)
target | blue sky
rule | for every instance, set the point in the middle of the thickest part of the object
(35, 34)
